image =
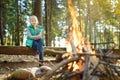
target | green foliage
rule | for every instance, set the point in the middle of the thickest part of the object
(58, 17)
(95, 14)
(10, 19)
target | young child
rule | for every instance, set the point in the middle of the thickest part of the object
(35, 37)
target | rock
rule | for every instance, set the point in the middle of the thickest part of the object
(45, 68)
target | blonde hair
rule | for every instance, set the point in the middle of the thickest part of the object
(35, 17)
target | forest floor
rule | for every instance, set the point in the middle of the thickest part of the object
(9, 63)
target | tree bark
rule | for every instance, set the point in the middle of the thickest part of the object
(48, 13)
(37, 10)
(17, 38)
(1, 25)
(22, 50)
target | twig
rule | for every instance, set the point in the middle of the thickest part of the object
(107, 53)
(99, 55)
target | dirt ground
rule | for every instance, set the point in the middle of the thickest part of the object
(9, 63)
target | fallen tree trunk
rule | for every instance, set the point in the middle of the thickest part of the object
(23, 50)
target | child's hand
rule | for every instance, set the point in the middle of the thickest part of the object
(38, 37)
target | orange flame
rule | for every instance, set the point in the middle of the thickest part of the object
(75, 35)
(75, 31)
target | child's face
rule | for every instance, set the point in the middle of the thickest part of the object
(33, 21)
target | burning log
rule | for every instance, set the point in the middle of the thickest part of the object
(85, 73)
(99, 68)
(58, 66)
(73, 74)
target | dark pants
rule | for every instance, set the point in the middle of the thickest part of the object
(38, 45)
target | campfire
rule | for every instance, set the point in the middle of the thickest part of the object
(77, 44)
(81, 62)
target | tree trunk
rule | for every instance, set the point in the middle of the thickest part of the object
(89, 20)
(22, 50)
(1, 25)
(48, 22)
(17, 38)
(37, 10)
